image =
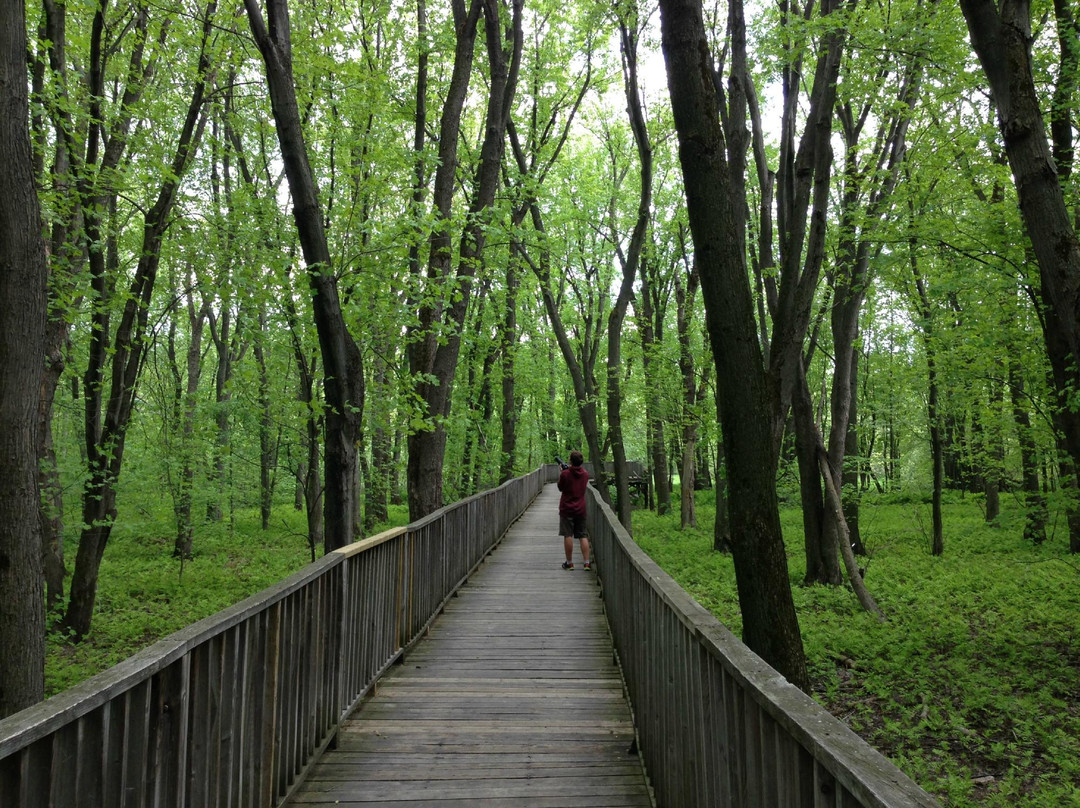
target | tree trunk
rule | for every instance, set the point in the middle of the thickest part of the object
(70, 174)
(1001, 37)
(850, 480)
(186, 406)
(854, 573)
(633, 259)
(722, 542)
(396, 495)
(486, 404)
(343, 371)
(1069, 487)
(67, 255)
(630, 262)
(852, 278)
(581, 372)
(1034, 502)
(267, 443)
(434, 362)
(822, 560)
(222, 335)
(23, 280)
(306, 369)
(106, 430)
(650, 321)
(995, 452)
(378, 482)
(933, 416)
(509, 338)
(684, 304)
(803, 183)
(624, 506)
(687, 505)
(1068, 482)
(222, 328)
(770, 624)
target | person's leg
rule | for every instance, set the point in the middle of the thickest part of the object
(566, 528)
(582, 536)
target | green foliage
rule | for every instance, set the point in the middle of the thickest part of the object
(972, 685)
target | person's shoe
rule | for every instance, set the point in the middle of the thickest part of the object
(587, 566)
(568, 565)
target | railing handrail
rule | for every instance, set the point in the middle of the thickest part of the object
(257, 690)
(37, 721)
(717, 725)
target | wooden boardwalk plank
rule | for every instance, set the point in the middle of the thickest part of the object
(513, 700)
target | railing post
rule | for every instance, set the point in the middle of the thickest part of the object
(271, 699)
(344, 653)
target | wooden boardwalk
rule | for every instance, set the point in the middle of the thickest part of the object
(513, 701)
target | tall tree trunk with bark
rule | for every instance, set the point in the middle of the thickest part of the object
(343, 371)
(866, 199)
(802, 191)
(106, 427)
(628, 36)
(223, 328)
(580, 369)
(67, 254)
(23, 279)
(532, 170)
(306, 370)
(73, 176)
(650, 323)
(770, 624)
(684, 305)
(850, 478)
(933, 414)
(802, 195)
(187, 392)
(722, 542)
(1069, 486)
(267, 442)
(1001, 36)
(380, 428)
(1034, 502)
(508, 357)
(995, 452)
(822, 556)
(434, 361)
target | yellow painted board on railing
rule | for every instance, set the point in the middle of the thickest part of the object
(373, 541)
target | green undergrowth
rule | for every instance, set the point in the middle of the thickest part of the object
(972, 686)
(144, 594)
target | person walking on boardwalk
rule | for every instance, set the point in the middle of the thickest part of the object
(572, 482)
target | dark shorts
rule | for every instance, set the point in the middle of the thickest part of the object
(572, 526)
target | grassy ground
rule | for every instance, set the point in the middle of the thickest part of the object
(972, 687)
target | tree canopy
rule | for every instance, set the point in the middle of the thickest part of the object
(344, 255)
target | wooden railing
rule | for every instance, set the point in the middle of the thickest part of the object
(232, 710)
(716, 725)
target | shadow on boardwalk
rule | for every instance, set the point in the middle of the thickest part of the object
(512, 700)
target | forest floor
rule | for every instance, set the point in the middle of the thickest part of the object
(972, 686)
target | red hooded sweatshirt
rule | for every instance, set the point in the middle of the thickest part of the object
(572, 483)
